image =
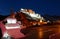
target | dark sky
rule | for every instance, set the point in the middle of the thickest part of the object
(51, 7)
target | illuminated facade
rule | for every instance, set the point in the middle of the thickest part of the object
(15, 22)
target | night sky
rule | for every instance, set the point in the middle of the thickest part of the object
(51, 7)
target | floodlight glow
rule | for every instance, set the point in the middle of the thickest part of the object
(11, 20)
(7, 27)
(35, 15)
(22, 9)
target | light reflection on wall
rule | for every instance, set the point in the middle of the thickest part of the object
(40, 33)
(58, 29)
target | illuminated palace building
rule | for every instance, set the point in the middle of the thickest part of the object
(19, 20)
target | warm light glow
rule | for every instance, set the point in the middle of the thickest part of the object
(34, 23)
(40, 20)
(40, 33)
(30, 11)
(59, 29)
